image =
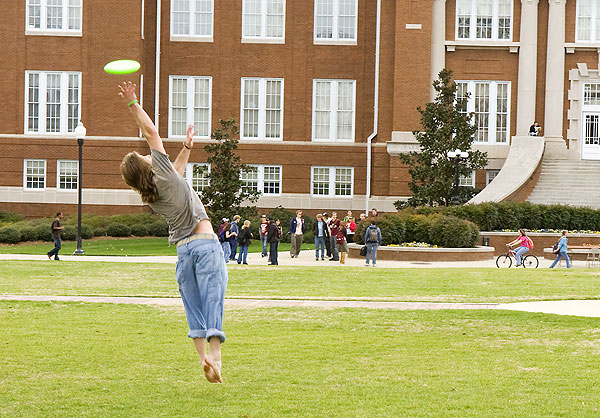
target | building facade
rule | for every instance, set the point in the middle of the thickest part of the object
(325, 91)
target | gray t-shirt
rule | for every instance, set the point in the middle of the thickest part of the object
(177, 201)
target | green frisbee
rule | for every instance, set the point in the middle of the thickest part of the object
(122, 67)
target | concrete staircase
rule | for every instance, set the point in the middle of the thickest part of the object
(568, 182)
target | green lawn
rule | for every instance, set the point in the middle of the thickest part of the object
(120, 247)
(323, 282)
(103, 360)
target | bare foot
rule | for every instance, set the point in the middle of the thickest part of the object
(211, 371)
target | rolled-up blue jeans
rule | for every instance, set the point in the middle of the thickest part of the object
(519, 252)
(320, 243)
(202, 278)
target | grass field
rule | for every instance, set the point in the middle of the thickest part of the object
(119, 247)
(102, 360)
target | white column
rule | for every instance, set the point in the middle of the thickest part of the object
(555, 78)
(438, 36)
(527, 66)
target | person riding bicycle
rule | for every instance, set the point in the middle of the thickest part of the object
(525, 243)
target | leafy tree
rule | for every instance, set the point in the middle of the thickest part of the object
(225, 194)
(445, 128)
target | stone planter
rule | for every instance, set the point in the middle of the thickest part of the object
(426, 254)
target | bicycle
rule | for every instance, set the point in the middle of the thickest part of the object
(505, 260)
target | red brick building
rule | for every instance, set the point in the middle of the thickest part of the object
(299, 76)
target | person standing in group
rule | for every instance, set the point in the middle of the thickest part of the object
(244, 242)
(233, 241)
(334, 226)
(535, 129)
(525, 243)
(319, 232)
(327, 235)
(374, 213)
(224, 237)
(348, 216)
(273, 238)
(372, 241)
(57, 230)
(297, 230)
(263, 229)
(362, 217)
(341, 243)
(350, 228)
(201, 272)
(561, 251)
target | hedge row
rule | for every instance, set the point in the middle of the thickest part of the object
(139, 225)
(492, 216)
(436, 229)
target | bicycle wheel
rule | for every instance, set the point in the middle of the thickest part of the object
(503, 261)
(530, 261)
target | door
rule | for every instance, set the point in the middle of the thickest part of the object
(590, 145)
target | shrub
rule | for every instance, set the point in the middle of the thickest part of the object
(158, 229)
(392, 228)
(10, 218)
(452, 232)
(43, 232)
(69, 233)
(139, 230)
(118, 229)
(28, 233)
(556, 217)
(284, 216)
(100, 232)
(10, 235)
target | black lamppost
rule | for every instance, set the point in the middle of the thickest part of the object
(456, 157)
(80, 132)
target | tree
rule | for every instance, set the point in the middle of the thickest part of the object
(445, 128)
(226, 193)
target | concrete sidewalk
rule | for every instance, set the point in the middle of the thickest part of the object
(306, 259)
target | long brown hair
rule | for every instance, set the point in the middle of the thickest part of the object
(138, 175)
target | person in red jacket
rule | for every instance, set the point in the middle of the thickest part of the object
(350, 228)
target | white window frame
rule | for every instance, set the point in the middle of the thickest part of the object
(495, 23)
(467, 181)
(260, 171)
(263, 38)
(333, 109)
(262, 109)
(335, 39)
(43, 29)
(190, 104)
(493, 108)
(488, 173)
(189, 174)
(332, 174)
(594, 23)
(42, 95)
(192, 36)
(58, 175)
(25, 161)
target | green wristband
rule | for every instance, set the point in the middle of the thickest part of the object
(132, 102)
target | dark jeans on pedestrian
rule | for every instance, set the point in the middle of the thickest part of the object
(243, 255)
(234, 246)
(327, 247)
(273, 253)
(334, 252)
(56, 249)
(263, 241)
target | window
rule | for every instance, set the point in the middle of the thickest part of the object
(490, 175)
(264, 178)
(197, 175)
(484, 20)
(34, 174)
(192, 20)
(333, 110)
(53, 17)
(591, 94)
(190, 104)
(490, 103)
(336, 21)
(468, 180)
(67, 175)
(263, 20)
(332, 181)
(262, 108)
(588, 21)
(52, 102)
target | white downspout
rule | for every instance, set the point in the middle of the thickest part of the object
(157, 70)
(375, 107)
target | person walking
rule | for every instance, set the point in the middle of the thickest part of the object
(273, 238)
(319, 231)
(297, 230)
(372, 241)
(233, 241)
(561, 251)
(57, 230)
(525, 244)
(201, 272)
(244, 242)
(263, 229)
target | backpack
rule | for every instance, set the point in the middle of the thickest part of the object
(555, 248)
(373, 236)
(530, 242)
(222, 236)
